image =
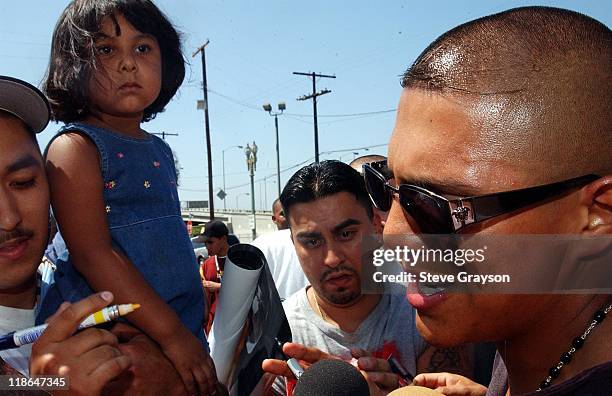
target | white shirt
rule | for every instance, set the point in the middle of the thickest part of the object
(13, 319)
(283, 262)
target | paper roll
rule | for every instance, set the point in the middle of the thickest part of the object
(243, 266)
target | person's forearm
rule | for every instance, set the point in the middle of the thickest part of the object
(110, 270)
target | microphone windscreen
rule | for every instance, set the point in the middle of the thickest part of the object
(331, 377)
(414, 391)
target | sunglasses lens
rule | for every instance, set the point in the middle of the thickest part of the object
(429, 213)
(375, 185)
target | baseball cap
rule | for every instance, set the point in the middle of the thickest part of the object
(24, 101)
(214, 228)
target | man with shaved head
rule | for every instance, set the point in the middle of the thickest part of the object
(511, 101)
(357, 164)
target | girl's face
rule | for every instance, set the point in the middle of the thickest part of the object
(128, 79)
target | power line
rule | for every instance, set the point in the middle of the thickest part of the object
(292, 115)
(163, 134)
(235, 101)
(345, 115)
(293, 166)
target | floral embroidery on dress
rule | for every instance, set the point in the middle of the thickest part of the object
(108, 208)
(110, 185)
(147, 184)
(156, 164)
(120, 155)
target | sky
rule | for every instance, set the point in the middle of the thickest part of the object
(254, 49)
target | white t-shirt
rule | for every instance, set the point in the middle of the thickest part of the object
(13, 319)
(389, 329)
(283, 262)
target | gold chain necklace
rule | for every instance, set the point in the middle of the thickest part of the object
(319, 310)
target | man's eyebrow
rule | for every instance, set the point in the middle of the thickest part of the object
(27, 161)
(308, 235)
(344, 224)
(443, 187)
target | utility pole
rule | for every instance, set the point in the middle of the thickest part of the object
(164, 134)
(211, 201)
(313, 96)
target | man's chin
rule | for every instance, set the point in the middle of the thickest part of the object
(343, 297)
(16, 283)
(19, 275)
(439, 333)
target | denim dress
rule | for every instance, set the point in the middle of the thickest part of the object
(143, 213)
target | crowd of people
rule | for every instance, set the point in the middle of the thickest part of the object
(502, 128)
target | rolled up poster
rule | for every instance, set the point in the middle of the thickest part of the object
(243, 266)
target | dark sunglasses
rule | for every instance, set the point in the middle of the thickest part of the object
(435, 214)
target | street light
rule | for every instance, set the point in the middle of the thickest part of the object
(281, 107)
(251, 154)
(223, 161)
(238, 196)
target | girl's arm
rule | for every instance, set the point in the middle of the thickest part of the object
(76, 186)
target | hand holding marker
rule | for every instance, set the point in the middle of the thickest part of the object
(28, 336)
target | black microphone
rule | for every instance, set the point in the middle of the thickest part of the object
(331, 377)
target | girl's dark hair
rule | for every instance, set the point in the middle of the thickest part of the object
(73, 54)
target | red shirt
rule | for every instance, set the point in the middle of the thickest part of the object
(210, 273)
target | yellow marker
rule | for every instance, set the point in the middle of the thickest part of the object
(28, 336)
(107, 314)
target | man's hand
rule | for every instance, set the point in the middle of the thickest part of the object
(90, 358)
(376, 370)
(151, 372)
(450, 384)
(211, 286)
(307, 356)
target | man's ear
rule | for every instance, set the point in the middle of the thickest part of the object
(377, 221)
(597, 197)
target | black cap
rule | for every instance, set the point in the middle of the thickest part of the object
(25, 102)
(214, 228)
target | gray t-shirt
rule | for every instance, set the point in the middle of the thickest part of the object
(388, 330)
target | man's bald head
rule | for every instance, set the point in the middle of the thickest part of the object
(539, 78)
(358, 162)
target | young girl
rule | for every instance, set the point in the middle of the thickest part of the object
(115, 64)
